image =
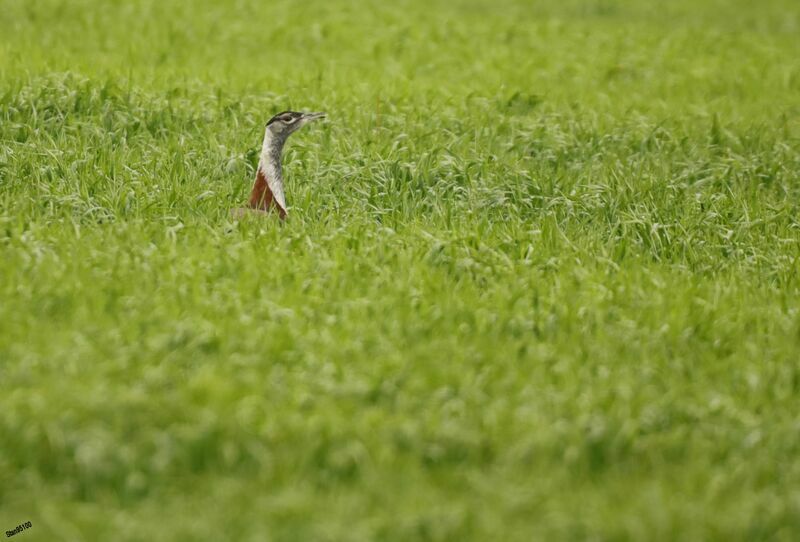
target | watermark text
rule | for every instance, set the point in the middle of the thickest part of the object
(21, 527)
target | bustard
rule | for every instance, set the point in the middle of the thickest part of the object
(268, 187)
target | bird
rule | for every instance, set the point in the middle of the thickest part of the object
(267, 193)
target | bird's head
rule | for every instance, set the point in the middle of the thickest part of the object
(284, 124)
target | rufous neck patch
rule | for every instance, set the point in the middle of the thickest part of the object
(261, 196)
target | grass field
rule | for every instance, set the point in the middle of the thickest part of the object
(540, 279)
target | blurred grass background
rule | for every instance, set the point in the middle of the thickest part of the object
(539, 279)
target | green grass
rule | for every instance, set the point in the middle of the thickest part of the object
(540, 277)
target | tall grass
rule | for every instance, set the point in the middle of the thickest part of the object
(539, 278)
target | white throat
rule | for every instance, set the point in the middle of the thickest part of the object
(270, 165)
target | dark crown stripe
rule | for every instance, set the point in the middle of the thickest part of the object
(281, 114)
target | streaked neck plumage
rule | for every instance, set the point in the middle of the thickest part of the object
(268, 187)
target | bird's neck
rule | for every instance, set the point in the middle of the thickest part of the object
(269, 167)
(270, 160)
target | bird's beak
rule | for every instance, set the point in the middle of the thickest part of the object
(313, 116)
